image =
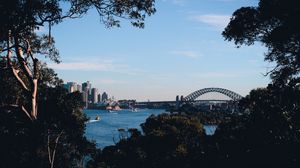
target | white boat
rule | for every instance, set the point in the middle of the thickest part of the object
(97, 118)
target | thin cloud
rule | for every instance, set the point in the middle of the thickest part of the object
(219, 22)
(188, 54)
(95, 66)
(83, 66)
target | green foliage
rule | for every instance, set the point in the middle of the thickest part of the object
(187, 108)
(62, 114)
(168, 141)
(9, 94)
(275, 23)
(48, 78)
(25, 143)
(172, 126)
(22, 17)
(275, 110)
(268, 135)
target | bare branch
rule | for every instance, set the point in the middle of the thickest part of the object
(51, 154)
(21, 60)
(7, 49)
(271, 71)
(16, 75)
(26, 112)
(16, 106)
(48, 147)
(14, 71)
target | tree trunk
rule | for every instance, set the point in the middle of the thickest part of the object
(34, 99)
(51, 153)
(32, 74)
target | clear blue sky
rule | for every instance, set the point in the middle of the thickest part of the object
(180, 50)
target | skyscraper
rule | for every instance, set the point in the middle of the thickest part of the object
(99, 97)
(85, 98)
(94, 95)
(86, 87)
(79, 88)
(104, 96)
(71, 86)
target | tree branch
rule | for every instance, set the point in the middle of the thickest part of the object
(16, 75)
(51, 155)
(16, 106)
(7, 49)
(14, 71)
(26, 112)
(21, 60)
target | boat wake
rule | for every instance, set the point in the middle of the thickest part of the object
(91, 121)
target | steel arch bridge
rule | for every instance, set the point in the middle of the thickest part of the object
(234, 96)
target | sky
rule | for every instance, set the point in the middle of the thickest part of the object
(179, 51)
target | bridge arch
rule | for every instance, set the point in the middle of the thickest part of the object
(234, 96)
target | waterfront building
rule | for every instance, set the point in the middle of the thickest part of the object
(99, 98)
(86, 86)
(104, 96)
(85, 98)
(94, 95)
(79, 88)
(71, 86)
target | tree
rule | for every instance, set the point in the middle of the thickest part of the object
(56, 139)
(62, 128)
(275, 23)
(273, 123)
(268, 135)
(20, 44)
(167, 141)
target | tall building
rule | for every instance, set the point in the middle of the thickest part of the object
(99, 97)
(86, 87)
(94, 95)
(79, 88)
(85, 98)
(104, 96)
(71, 86)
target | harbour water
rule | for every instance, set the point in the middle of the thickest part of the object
(105, 131)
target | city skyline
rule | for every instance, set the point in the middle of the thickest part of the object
(179, 51)
(93, 92)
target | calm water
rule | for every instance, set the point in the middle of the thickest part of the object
(105, 131)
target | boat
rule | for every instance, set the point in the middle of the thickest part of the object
(134, 109)
(97, 118)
